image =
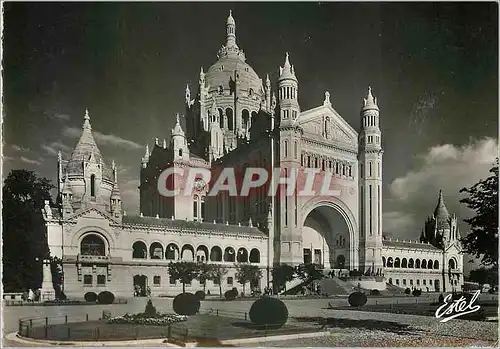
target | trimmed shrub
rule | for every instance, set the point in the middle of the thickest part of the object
(150, 310)
(230, 295)
(441, 299)
(416, 293)
(357, 299)
(90, 297)
(186, 304)
(374, 293)
(407, 291)
(105, 297)
(200, 294)
(268, 312)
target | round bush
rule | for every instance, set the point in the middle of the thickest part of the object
(90, 297)
(200, 294)
(105, 297)
(186, 304)
(408, 291)
(268, 312)
(357, 299)
(374, 293)
(230, 295)
(417, 293)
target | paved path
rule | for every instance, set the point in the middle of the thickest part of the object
(297, 308)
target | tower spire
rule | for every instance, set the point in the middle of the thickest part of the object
(230, 31)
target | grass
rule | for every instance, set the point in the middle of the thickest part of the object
(206, 329)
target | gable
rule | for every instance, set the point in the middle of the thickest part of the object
(338, 130)
(92, 214)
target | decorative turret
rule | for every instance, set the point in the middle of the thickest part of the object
(231, 31)
(188, 96)
(116, 200)
(179, 142)
(145, 158)
(267, 92)
(370, 102)
(288, 86)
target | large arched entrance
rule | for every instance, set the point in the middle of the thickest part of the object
(326, 238)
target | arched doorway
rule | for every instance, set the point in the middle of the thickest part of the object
(326, 238)
(140, 285)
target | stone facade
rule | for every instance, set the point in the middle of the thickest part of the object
(235, 120)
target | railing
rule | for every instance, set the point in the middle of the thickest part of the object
(92, 329)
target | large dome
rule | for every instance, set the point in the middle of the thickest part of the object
(226, 69)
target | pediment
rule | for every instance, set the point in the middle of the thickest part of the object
(338, 130)
(92, 213)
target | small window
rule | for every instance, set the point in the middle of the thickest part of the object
(220, 90)
(216, 281)
(397, 281)
(230, 281)
(172, 281)
(404, 282)
(423, 281)
(411, 282)
(101, 280)
(418, 282)
(180, 152)
(157, 280)
(87, 280)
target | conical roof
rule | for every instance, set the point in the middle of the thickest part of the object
(441, 213)
(84, 150)
(370, 102)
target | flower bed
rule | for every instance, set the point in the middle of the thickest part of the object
(143, 319)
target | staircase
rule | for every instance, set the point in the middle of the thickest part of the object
(331, 286)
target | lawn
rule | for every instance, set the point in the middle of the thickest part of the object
(204, 328)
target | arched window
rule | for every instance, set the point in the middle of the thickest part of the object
(429, 264)
(404, 263)
(390, 262)
(295, 149)
(229, 255)
(340, 262)
(216, 254)
(139, 250)
(172, 252)
(397, 262)
(417, 264)
(436, 264)
(423, 265)
(254, 256)
(195, 207)
(230, 119)
(452, 264)
(285, 148)
(411, 263)
(202, 253)
(242, 256)
(180, 152)
(187, 253)
(383, 261)
(92, 245)
(245, 117)
(92, 185)
(156, 251)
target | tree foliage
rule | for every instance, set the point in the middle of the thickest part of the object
(482, 241)
(484, 276)
(309, 272)
(281, 275)
(218, 271)
(205, 272)
(185, 272)
(246, 273)
(24, 233)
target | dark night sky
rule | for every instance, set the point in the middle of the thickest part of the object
(433, 67)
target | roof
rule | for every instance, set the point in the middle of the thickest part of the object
(412, 245)
(84, 150)
(441, 213)
(191, 225)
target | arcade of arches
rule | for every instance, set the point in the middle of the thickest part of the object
(325, 238)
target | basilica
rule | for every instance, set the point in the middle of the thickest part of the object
(235, 119)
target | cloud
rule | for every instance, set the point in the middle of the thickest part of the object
(130, 195)
(448, 167)
(29, 161)
(103, 139)
(60, 117)
(19, 148)
(54, 147)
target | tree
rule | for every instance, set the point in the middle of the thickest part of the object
(482, 241)
(185, 272)
(217, 273)
(309, 272)
(246, 273)
(281, 275)
(484, 276)
(24, 233)
(205, 273)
